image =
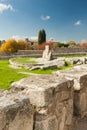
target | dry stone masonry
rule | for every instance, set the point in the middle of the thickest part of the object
(16, 113)
(80, 88)
(52, 98)
(45, 102)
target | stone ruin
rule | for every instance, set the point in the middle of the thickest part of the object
(16, 113)
(48, 62)
(45, 102)
(47, 54)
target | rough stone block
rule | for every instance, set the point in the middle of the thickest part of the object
(80, 89)
(16, 113)
(42, 88)
(52, 97)
(50, 123)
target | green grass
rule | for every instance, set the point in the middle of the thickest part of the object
(49, 71)
(43, 71)
(9, 75)
(25, 60)
(76, 56)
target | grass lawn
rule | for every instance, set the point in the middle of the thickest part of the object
(49, 71)
(39, 71)
(25, 60)
(76, 56)
(9, 75)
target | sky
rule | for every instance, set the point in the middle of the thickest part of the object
(63, 20)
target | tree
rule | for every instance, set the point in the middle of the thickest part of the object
(59, 44)
(44, 35)
(71, 43)
(42, 46)
(41, 36)
(9, 46)
(23, 45)
(83, 44)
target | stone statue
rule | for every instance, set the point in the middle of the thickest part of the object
(47, 53)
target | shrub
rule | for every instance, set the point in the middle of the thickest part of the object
(67, 63)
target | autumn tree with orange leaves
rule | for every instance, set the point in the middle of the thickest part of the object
(83, 44)
(42, 46)
(9, 46)
(23, 45)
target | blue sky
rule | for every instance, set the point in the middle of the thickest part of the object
(63, 20)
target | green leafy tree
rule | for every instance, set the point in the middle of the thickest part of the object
(41, 36)
(71, 44)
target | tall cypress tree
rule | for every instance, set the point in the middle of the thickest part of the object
(44, 35)
(41, 36)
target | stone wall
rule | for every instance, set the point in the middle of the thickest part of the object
(52, 98)
(45, 102)
(38, 53)
(70, 50)
(16, 113)
(79, 75)
(55, 52)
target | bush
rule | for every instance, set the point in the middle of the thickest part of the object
(67, 63)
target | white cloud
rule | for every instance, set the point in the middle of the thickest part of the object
(45, 17)
(78, 23)
(17, 37)
(33, 38)
(84, 41)
(4, 7)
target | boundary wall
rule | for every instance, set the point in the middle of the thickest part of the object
(38, 53)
